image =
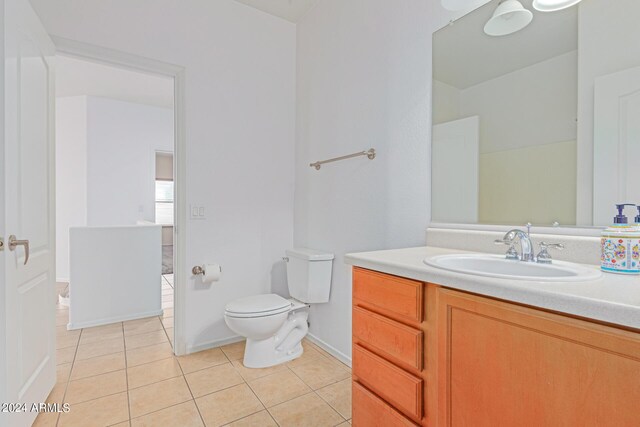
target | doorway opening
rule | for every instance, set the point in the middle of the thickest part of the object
(115, 184)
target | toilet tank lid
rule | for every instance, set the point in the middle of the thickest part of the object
(309, 254)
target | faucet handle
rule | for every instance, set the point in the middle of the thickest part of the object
(512, 253)
(544, 257)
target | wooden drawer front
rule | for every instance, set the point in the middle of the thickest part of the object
(371, 411)
(392, 296)
(393, 384)
(389, 337)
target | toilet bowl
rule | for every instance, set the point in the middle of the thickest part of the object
(274, 328)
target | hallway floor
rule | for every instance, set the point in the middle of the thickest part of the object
(125, 374)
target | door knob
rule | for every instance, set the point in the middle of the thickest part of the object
(1, 244)
(13, 243)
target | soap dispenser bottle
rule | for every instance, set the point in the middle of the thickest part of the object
(621, 244)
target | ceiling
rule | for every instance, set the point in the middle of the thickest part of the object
(465, 56)
(291, 10)
(75, 77)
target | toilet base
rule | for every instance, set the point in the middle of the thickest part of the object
(284, 346)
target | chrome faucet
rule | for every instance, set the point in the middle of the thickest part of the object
(527, 251)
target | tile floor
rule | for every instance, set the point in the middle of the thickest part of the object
(125, 374)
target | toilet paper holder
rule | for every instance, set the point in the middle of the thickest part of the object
(199, 270)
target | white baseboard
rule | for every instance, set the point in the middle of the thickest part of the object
(194, 348)
(62, 280)
(329, 349)
(115, 319)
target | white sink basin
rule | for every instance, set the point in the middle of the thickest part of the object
(498, 266)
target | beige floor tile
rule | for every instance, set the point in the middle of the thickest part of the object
(98, 365)
(101, 412)
(167, 322)
(234, 351)
(67, 341)
(310, 354)
(344, 424)
(213, 379)
(98, 336)
(149, 354)
(61, 331)
(161, 395)
(252, 373)
(261, 419)
(308, 410)
(228, 405)
(101, 331)
(91, 388)
(338, 395)
(202, 359)
(279, 387)
(62, 372)
(321, 373)
(182, 415)
(57, 393)
(100, 348)
(153, 372)
(143, 340)
(65, 355)
(167, 312)
(169, 332)
(46, 419)
(142, 326)
(122, 424)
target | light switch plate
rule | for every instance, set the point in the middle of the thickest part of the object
(196, 212)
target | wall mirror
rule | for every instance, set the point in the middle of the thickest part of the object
(541, 125)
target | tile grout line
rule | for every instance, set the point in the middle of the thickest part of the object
(66, 384)
(184, 377)
(126, 374)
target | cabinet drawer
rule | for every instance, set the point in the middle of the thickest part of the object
(388, 337)
(393, 384)
(395, 297)
(371, 411)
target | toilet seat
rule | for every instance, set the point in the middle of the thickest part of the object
(258, 306)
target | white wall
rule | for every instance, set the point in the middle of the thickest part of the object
(608, 42)
(71, 175)
(105, 154)
(364, 79)
(122, 140)
(240, 114)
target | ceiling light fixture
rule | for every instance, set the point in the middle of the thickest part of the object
(456, 5)
(510, 16)
(553, 5)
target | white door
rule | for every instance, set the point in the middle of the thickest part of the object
(28, 209)
(616, 143)
(454, 189)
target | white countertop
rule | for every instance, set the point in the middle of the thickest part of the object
(612, 298)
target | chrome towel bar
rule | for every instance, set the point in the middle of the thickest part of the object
(371, 154)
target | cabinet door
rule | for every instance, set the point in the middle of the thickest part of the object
(502, 364)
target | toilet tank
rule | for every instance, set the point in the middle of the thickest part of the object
(309, 275)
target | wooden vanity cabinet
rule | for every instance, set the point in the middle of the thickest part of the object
(502, 364)
(431, 356)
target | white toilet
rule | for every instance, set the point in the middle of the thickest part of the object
(274, 326)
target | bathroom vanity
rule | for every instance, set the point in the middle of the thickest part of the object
(433, 347)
